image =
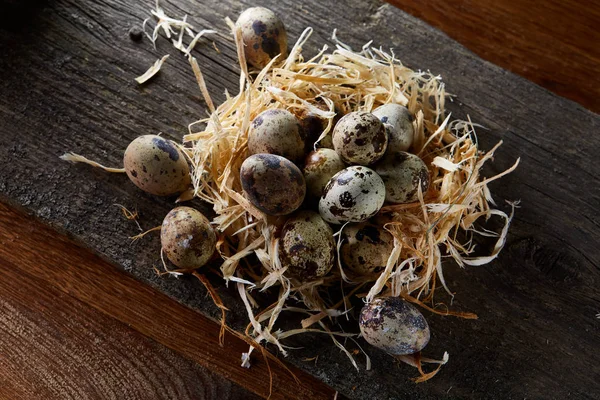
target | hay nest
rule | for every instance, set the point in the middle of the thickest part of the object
(423, 231)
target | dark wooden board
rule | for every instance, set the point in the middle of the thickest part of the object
(58, 298)
(68, 70)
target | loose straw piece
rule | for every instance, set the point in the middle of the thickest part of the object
(201, 83)
(76, 158)
(416, 360)
(153, 70)
(218, 302)
(141, 235)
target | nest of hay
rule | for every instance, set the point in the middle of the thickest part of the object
(442, 224)
(424, 232)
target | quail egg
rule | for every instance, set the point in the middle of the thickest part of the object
(187, 238)
(312, 126)
(365, 247)
(273, 184)
(401, 173)
(276, 131)
(402, 134)
(359, 138)
(156, 165)
(319, 167)
(354, 194)
(306, 246)
(394, 325)
(263, 35)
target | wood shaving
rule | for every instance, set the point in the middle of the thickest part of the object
(153, 70)
(76, 158)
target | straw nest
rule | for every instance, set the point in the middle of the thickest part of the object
(424, 232)
(442, 224)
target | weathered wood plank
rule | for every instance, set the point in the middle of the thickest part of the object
(70, 87)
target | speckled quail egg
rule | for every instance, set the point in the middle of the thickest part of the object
(187, 238)
(354, 194)
(263, 35)
(306, 246)
(319, 167)
(401, 173)
(402, 134)
(394, 326)
(273, 184)
(312, 126)
(365, 247)
(277, 131)
(391, 131)
(359, 138)
(156, 165)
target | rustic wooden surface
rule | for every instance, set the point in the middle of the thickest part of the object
(54, 346)
(554, 43)
(106, 351)
(70, 67)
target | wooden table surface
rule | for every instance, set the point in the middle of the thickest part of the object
(74, 326)
(553, 43)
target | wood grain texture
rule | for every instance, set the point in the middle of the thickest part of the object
(104, 352)
(553, 43)
(70, 88)
(53, 346)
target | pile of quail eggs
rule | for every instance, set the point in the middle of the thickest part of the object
(366, 167)
(349, 176)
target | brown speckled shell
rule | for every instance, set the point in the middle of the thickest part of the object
(401, 136)
(354, 194)
(156, 166)
(263, 35)
(187, 238)
(306, 246)
(314, 126)
(393, 325)
(401, 173)
(273, 184)
(277, 131)
(319, 167)
(365, 247)
(359, 138)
